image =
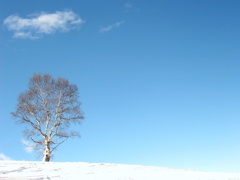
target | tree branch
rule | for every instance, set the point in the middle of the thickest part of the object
(57, 145)
(38, 142)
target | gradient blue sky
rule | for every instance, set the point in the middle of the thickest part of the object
(159, 80)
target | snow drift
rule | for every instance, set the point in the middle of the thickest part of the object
(97, 171)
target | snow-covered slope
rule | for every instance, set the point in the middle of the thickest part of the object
(97, 171)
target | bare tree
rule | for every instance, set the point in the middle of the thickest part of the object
(48, 108)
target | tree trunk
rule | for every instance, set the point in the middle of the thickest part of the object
(47, 152)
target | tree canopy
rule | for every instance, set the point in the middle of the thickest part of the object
(48, 109)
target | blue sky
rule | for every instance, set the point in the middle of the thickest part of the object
(158, 80)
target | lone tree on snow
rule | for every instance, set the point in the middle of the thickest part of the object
(48, 108)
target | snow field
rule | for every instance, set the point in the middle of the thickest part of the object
(96, 171)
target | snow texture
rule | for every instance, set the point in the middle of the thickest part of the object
(95, 171)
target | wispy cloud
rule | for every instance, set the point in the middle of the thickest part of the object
(3, 157)
(112, 26)
(128, 7)
(29, 147)
(42, 23)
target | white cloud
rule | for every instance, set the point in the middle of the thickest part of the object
(4, 157)
(24, 35)
(29, 147)
(36, 25)
(110, 27)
